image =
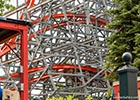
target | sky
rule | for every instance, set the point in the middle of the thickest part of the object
(19, 2)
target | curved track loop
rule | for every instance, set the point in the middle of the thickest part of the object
(66, 48)
(60, 68)
(102, 22)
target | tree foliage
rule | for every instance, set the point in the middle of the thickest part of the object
(126, 21)
(5, 6)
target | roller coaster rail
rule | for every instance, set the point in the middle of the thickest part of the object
(66, 48)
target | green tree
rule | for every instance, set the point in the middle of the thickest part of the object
(126, 22)
(5, 6)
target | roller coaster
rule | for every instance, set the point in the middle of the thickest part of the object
(66, 48)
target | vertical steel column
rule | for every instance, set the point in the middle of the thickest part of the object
(24, 65)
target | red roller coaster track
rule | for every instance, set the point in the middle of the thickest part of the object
(79, 18)
(5, 49)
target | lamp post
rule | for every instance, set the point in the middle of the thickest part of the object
(128, 79)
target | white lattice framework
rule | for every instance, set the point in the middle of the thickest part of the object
(67, 47)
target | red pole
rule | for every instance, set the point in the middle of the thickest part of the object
(117, 91)
(24, 65)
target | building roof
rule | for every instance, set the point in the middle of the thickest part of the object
(14, 21)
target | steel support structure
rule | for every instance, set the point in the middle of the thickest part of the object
(8, 31)
(66, 47)
(24, 64)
